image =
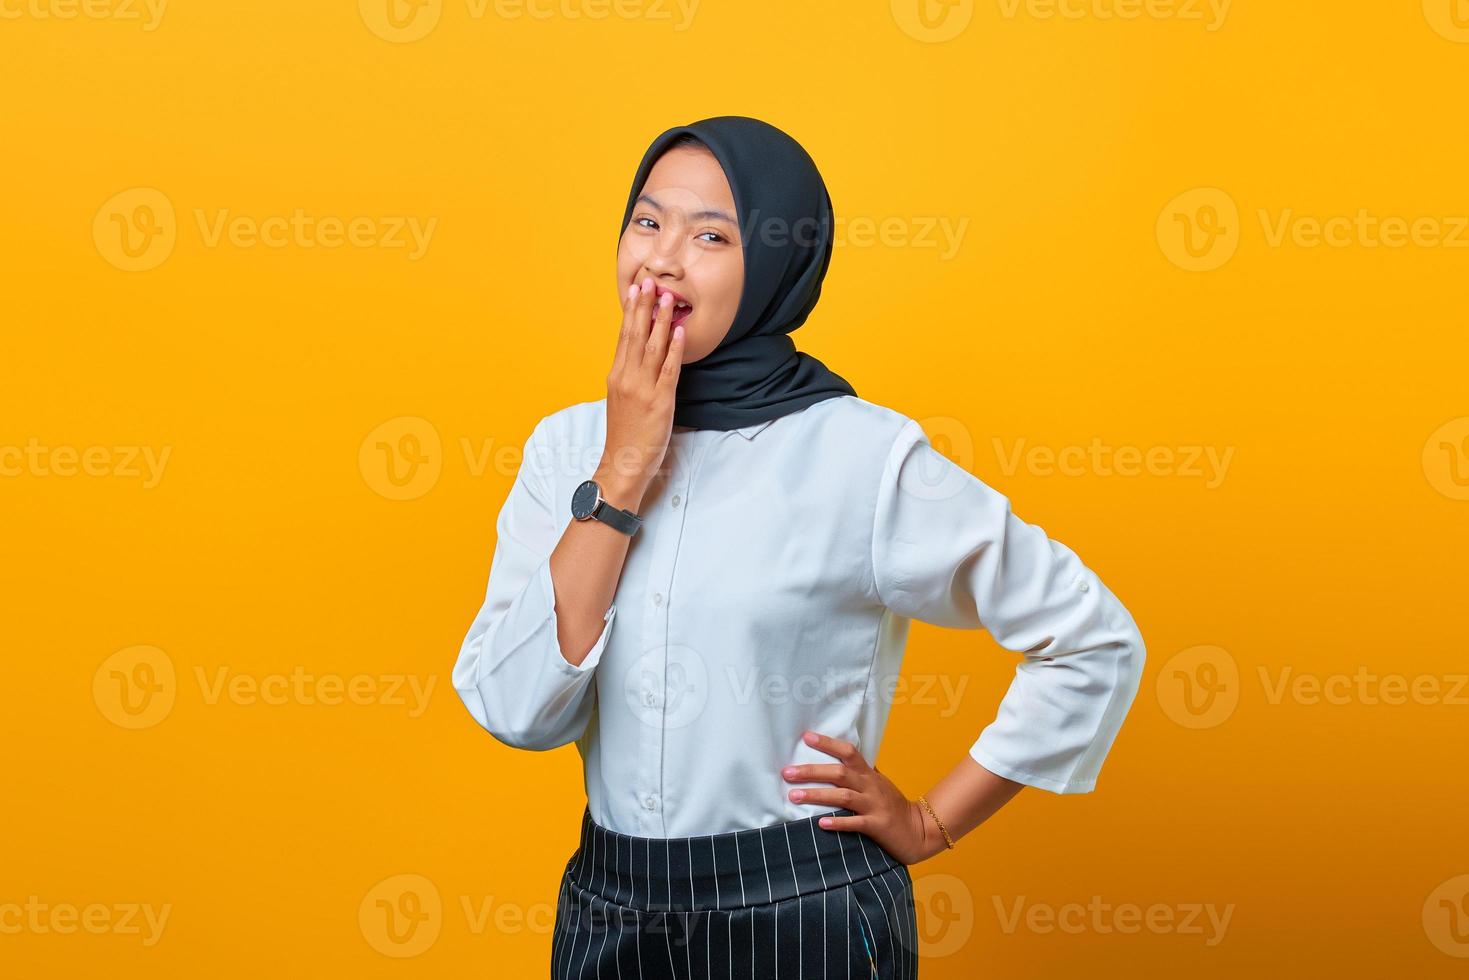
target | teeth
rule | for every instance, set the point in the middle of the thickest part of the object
(678, 304)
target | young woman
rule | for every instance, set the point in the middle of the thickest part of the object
(705, 580)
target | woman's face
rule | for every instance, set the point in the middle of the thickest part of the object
(684, 234)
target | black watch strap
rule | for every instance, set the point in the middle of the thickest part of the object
(623, 520)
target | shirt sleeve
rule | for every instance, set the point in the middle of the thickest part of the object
(947, 550)
(511, 672)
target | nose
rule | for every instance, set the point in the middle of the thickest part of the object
(665, 258)
(661, 265)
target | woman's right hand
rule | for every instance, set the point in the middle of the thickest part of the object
(640, 396)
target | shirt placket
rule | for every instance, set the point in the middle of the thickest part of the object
(654, 679)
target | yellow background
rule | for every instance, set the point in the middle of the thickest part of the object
(1334, 542)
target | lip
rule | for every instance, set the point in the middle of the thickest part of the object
(677, 296)
(677, 317)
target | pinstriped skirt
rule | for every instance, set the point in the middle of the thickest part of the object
(788, 900)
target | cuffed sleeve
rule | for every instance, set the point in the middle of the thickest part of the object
(947, 550)
(511, 672)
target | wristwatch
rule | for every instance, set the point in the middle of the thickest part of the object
(587, 503)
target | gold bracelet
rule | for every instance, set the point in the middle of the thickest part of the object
(947, 839)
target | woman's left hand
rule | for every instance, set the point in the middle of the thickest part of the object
(881, 810)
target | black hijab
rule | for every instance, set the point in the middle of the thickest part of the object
(786, 228)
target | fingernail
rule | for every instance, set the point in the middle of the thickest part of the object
(788, 771)
(632, 291)
(797, 794)
(825, 822)
(666, 300)
(648, 285)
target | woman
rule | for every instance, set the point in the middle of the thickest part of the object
(768, 536)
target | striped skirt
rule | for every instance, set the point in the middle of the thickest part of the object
(788, 900)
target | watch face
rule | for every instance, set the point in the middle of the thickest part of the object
(584, 500)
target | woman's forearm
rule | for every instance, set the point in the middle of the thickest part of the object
(965, 798)
(586, 566)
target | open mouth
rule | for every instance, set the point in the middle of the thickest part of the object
(682, 308)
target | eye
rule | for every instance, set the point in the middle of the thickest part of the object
(652, 225)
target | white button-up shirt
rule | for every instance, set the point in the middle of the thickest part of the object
(769, 592)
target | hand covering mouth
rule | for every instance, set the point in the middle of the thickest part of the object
(681, 307)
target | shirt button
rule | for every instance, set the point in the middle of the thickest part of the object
(1083, 586)
(657, 598)
(674, 501)
(648, 802)
(648, 698)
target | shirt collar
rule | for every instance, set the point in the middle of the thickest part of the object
(751, 431)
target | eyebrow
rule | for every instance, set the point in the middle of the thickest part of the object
(696, 216)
